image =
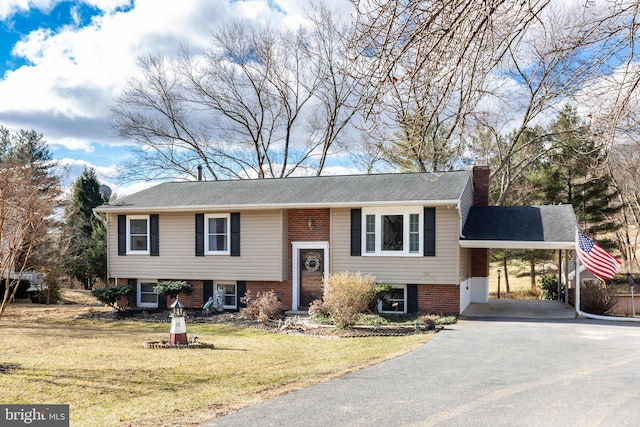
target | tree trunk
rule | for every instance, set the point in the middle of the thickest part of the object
(506, 274)
(533, 273)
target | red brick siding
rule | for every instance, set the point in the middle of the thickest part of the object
(481, 186)
(439, 298)
(298, 230)
(479, 262)
(195, 299)
(282, 290)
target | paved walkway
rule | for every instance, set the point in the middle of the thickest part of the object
(481, 372)
(519, 309)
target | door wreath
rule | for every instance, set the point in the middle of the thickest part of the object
(312, 263)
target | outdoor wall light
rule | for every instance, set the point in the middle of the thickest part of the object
(310, 224)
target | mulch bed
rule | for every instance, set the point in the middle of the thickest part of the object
(289, 325)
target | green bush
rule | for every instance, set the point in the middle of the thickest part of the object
(264, 307)
(112, 295)
(549, 286)
(347, 296)
(173, 288)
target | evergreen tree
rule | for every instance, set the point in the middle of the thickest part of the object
(420, 148)
(84, 234)
(574, 174)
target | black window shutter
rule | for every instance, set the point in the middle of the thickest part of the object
(133, 297)
(207, 291)
(162, 299)
(241, 288)
(200, 234)
(429, 231)
(356, 232)
(154, 238)
(122, 234)
(412, 298)
(235, 234)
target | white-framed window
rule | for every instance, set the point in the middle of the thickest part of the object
(228, 291)
(216, 231)
(395, 301)
(146, 296)
(138, 234)
(392, 231)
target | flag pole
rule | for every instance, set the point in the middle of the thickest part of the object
(577, 274)
(577, 285)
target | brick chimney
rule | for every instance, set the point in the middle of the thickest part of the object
(480, 256)
(481, 185)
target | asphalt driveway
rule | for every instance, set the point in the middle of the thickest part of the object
(481, 372)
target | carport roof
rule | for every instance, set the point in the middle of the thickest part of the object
(520, 227)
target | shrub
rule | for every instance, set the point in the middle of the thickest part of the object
(112, 295)
(51, 294)
(596, 298)
(317, 309)
(447, 320)
(173, 288)
(549, 287)
(263, 307)
(429, 321)
(347, 296)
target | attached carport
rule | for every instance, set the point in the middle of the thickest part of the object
(516, 227)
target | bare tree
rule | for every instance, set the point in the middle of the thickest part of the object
(623, 168)
(566, 56)
(424, 68)
(26, 204)
(337, 100)
(260, 102)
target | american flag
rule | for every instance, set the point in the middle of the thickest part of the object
(594, 258)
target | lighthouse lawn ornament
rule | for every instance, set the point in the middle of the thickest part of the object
(178, 333)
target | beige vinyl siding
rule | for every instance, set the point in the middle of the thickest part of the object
(463, 273)
(261, 251)
(441, 269)
(466, 201)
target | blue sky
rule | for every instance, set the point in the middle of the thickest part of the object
(61, 63)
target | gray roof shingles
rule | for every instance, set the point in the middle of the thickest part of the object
(299, 191)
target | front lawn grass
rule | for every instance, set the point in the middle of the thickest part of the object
(108, 378)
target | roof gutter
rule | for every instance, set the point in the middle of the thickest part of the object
(515, 244)
(199, 208)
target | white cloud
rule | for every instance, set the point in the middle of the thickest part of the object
(73, 73)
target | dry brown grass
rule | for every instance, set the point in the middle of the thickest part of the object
(519, 281)
(102, 371)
